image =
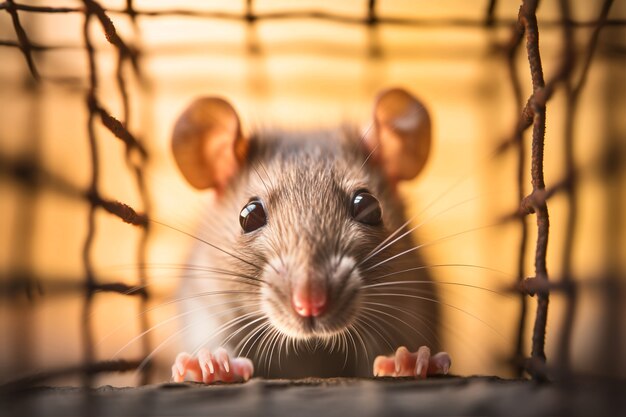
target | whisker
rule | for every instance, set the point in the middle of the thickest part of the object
(259, 329)
(242, 328)
(365, 133)
(287, 340)
(262, 181)
(177, 316)
(429, 266)
(175, 266)
(202, 294)
(260, 349)
(426, 282)
(369, 155)
(344, 339)
(269, 349)
(294, 345)
(160, 346)
(263, 348)
(184, 267)
(432, 242)
(281, 343)
(384, 245)
(437, 302)
(362, 138)
(267, 175)
(358, 324)
(440, 196)
(331, 342)
(354, 345)
(197, 276)
(358, 335)
(148, 310)
(451, 329)
(273, 348)
(221, 329)
(206, 242)
(370, 323)
(145, 361)
(409, 313)
(241, 345)
(384, 323)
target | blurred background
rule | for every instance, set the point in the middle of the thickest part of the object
(302, 64)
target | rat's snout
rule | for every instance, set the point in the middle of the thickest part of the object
(305, 300)
(309, 298)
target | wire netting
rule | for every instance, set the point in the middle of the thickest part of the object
(566, 78)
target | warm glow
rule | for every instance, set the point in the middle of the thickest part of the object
(307, 73)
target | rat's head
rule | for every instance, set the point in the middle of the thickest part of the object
(308, 209)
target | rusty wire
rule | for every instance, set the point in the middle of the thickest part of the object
(31, 173)
(528, 18)
(534, 114)
(531, 114)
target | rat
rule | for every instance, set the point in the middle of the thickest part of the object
(308, 264)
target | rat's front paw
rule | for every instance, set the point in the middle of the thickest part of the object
(418, 364)
(210, 367)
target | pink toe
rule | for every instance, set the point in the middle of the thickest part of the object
(186, 365)
(405, 362)
(242, 367)
(422, 362)
(384, 366)
(181, 362)
(439, 364)
(205, 361)
(176, 376)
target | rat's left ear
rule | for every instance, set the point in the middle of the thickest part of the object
(401, 134)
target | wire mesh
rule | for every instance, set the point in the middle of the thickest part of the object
(532, 116)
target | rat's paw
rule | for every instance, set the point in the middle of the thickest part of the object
(418, 364)
(210, 367)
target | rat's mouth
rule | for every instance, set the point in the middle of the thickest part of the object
(315, 327)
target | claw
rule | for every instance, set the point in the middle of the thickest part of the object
(222, 358)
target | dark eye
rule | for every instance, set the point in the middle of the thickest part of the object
(366, 208)
(252, 216)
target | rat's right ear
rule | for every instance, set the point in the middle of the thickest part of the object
(207, 143)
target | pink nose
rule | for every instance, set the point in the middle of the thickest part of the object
(309, 304)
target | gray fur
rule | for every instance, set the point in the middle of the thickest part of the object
(306, 181)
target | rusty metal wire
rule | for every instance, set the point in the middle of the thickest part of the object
(31, 174)
(532, 113)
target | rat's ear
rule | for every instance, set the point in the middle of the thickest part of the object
(400, 137)
(207, 143)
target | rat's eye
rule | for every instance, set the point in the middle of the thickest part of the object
(252, 216)
(366, 208)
